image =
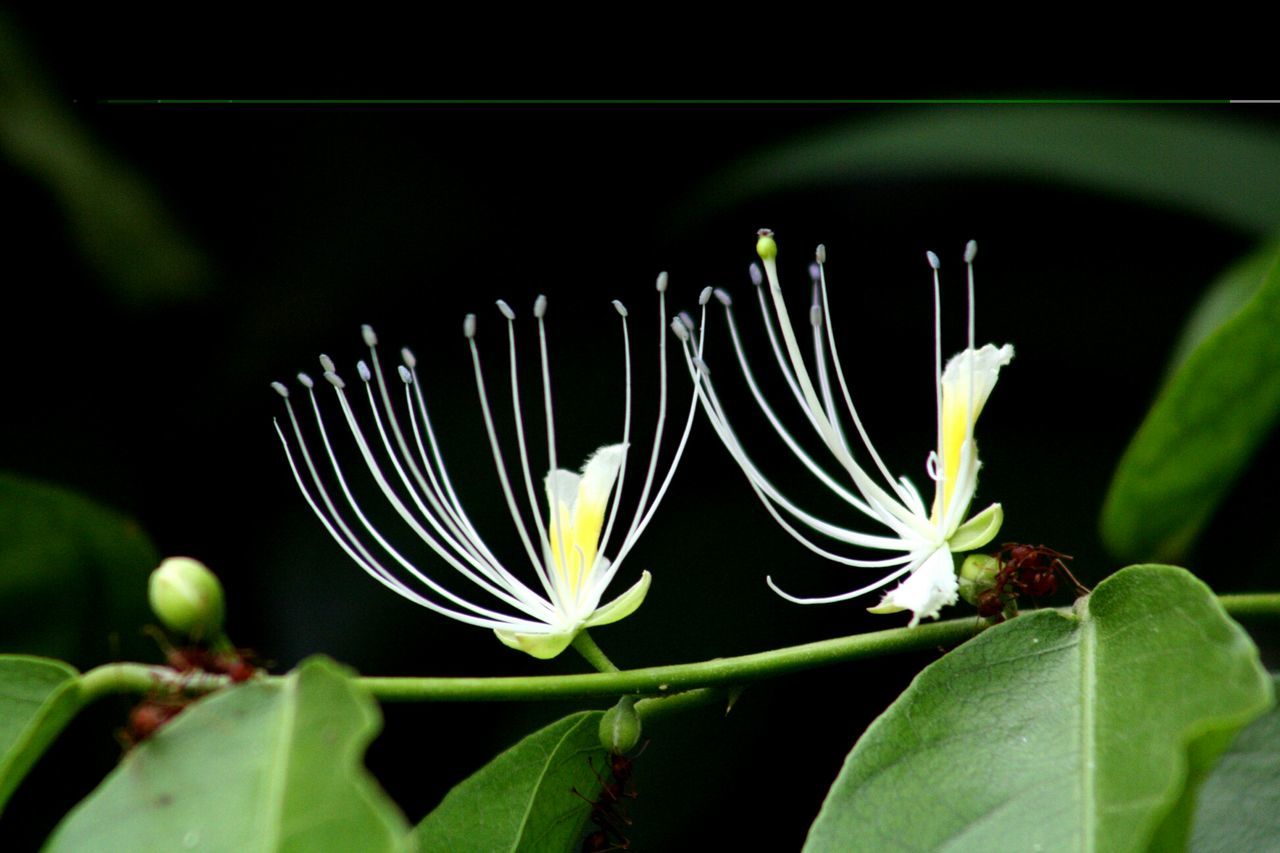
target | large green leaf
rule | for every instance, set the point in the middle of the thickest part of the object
(38, 697)
(1208, 420)
(259, 767)
(524, 799)
(1057, 731)
(1201, 163)
(1239, 806)
(73, 574)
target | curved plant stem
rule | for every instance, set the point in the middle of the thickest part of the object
(115, 678)
(656, 681)
(676, 678)
(586, 646)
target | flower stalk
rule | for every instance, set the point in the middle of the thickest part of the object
(657, 681)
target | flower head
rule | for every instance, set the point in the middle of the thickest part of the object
(566, 550)
(921, 538)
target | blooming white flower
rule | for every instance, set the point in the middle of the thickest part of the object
(566, 551)
(924, 537)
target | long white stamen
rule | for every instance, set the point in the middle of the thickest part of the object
(432, 517)
(711, 405)
(844, 385)
(970, 252)
(365, 558)
(937, 360)
(778, 355)
(540, 312)
(408, 376)
(457, 536)
(626, 431)
(638, 526)
(633, 530)
(820, 355)
(783, 433)
(845, 596)
(548, 582)
(371, 566)
(469, 329)
(374, 469)
(873, 493)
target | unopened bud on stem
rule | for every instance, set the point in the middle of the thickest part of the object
(620, 727)
(187, 598)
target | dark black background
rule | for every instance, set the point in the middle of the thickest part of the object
(314, 219)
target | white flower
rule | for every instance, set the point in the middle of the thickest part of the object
(566, 551)
(922, 538)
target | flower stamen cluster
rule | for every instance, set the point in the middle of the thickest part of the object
(566, 551)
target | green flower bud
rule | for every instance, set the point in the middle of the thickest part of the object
(187, 598)
(977, 575)
(620, 727)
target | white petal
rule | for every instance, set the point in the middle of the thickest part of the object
(987, 362)
(960, 409)
(577, 506)
(930, 588)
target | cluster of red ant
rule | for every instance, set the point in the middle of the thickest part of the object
(607, 814)
(168, 700)
(1030, 570)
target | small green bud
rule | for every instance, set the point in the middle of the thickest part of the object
(620, 727)
(977, 575)
(765, 247)
(187, 598)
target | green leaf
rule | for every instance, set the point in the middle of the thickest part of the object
(1225, 171)
(1205, 425)
(258, 767)
(1056, 731)
(38, 697)
(1239, 806)
(72, 574)
(524, 799)
(122, 226)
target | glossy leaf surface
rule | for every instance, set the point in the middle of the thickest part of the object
(1083, 730)
(259, 767)
(525, 798)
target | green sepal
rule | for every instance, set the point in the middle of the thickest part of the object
(977, 531)
(547, 646)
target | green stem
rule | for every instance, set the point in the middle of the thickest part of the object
(115, 678)
(676, 678)
(595, 656)
(1251, 604)
(656, 681)
(658, 707)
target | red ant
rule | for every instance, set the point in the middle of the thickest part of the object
(146, 718)
(191, 659)
(1025, 569)
(156, 709)
(233, 663)
(606, 811)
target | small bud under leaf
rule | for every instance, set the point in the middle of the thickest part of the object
(187, 598)
(977, 575)
(620, 727)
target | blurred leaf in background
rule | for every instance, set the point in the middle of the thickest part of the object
(73, 575)
(1224, 171)
(123, 228)
(1215, 410)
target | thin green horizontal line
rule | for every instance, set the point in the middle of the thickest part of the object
(636, 102)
